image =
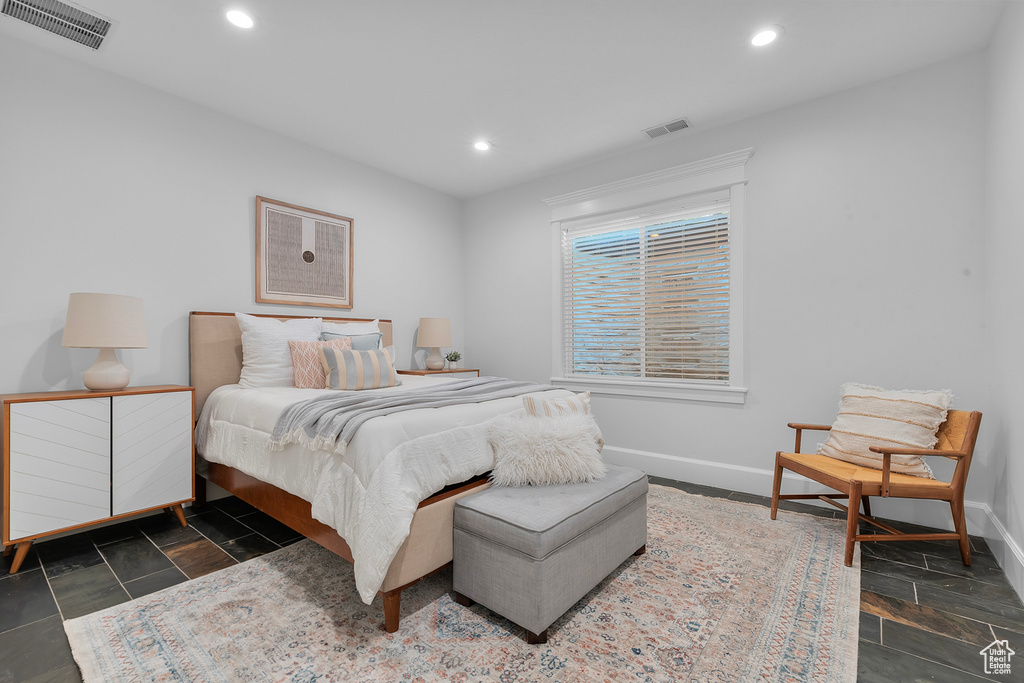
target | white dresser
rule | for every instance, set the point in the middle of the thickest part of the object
(74, 458)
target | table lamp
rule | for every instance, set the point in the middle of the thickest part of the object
(105, 322)
(434, 333)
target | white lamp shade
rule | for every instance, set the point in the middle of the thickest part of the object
(434, 332)
(98, 321)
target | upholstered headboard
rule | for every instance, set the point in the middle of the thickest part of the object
(215, 348)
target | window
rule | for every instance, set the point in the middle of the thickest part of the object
(648, 299)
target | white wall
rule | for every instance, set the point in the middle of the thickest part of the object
(1004, 424)
(864, 262)
(110, 186)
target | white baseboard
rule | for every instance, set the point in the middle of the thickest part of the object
(980, 519)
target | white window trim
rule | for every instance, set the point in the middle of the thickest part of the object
(724, 172)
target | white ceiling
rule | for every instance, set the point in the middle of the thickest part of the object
(406, 86)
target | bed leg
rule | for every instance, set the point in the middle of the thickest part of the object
(392, 607)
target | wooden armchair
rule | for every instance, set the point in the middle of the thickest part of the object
(956, 439)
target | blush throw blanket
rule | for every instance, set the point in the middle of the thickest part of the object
(328, 423)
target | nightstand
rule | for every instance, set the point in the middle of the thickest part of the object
(76, 458)
(444, 372)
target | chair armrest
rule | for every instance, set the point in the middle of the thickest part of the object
(887, 454)
(800, 426)
(916, 451)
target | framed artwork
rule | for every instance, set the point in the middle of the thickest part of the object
(303, 256)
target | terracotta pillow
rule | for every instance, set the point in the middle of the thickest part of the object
(309, 373)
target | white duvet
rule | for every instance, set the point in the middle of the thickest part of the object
(369, 494)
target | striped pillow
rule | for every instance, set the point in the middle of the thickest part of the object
(872, 416)
(578, 404)
(354, 370)
(309, 373)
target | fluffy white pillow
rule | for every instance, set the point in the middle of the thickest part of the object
(266, 358)
(872, 416)
(545, 450)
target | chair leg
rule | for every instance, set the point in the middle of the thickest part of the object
(852, 516)
(867, 505)
(776, 486)
(960, 524)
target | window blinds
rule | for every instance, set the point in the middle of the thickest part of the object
(648, 296)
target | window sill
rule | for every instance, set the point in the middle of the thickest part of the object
(671, 391)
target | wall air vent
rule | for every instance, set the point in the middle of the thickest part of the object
(60, 18)
(666, 128)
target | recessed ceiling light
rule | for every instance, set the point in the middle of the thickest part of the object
(482, 145)
(766, 35)
(240, 19)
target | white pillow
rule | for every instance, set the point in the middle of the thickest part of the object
(266, 357)
(545, 450)
(872, 416)
(348, 329)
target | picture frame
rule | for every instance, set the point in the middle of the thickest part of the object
(303, 256)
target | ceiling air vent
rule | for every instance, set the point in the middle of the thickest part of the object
(666, 128)
(61, 19)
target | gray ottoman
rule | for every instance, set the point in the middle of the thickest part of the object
(530, 553)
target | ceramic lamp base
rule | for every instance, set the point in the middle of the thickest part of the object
(434, 360)
(107, 373)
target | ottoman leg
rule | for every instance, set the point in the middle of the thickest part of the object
(641, 550)
(462, 599)
(536, 638)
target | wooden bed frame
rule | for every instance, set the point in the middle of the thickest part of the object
(215, 345)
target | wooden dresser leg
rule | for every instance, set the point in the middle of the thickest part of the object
(392, 608)
(179, 513)
(536, 638)
(20, 555)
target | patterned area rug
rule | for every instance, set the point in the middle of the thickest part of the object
(723, 594)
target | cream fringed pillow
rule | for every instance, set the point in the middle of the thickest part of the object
(545, 450)
(872, 416)
(577, 404)
(306, 366)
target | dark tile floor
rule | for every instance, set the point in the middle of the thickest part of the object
(924, 616)
(76, 575)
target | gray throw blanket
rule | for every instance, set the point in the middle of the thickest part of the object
(320, 423)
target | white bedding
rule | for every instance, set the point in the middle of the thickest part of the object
(370, 493)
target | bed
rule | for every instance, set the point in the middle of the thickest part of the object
(215, 367)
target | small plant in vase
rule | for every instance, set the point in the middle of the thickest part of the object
(453, 359)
